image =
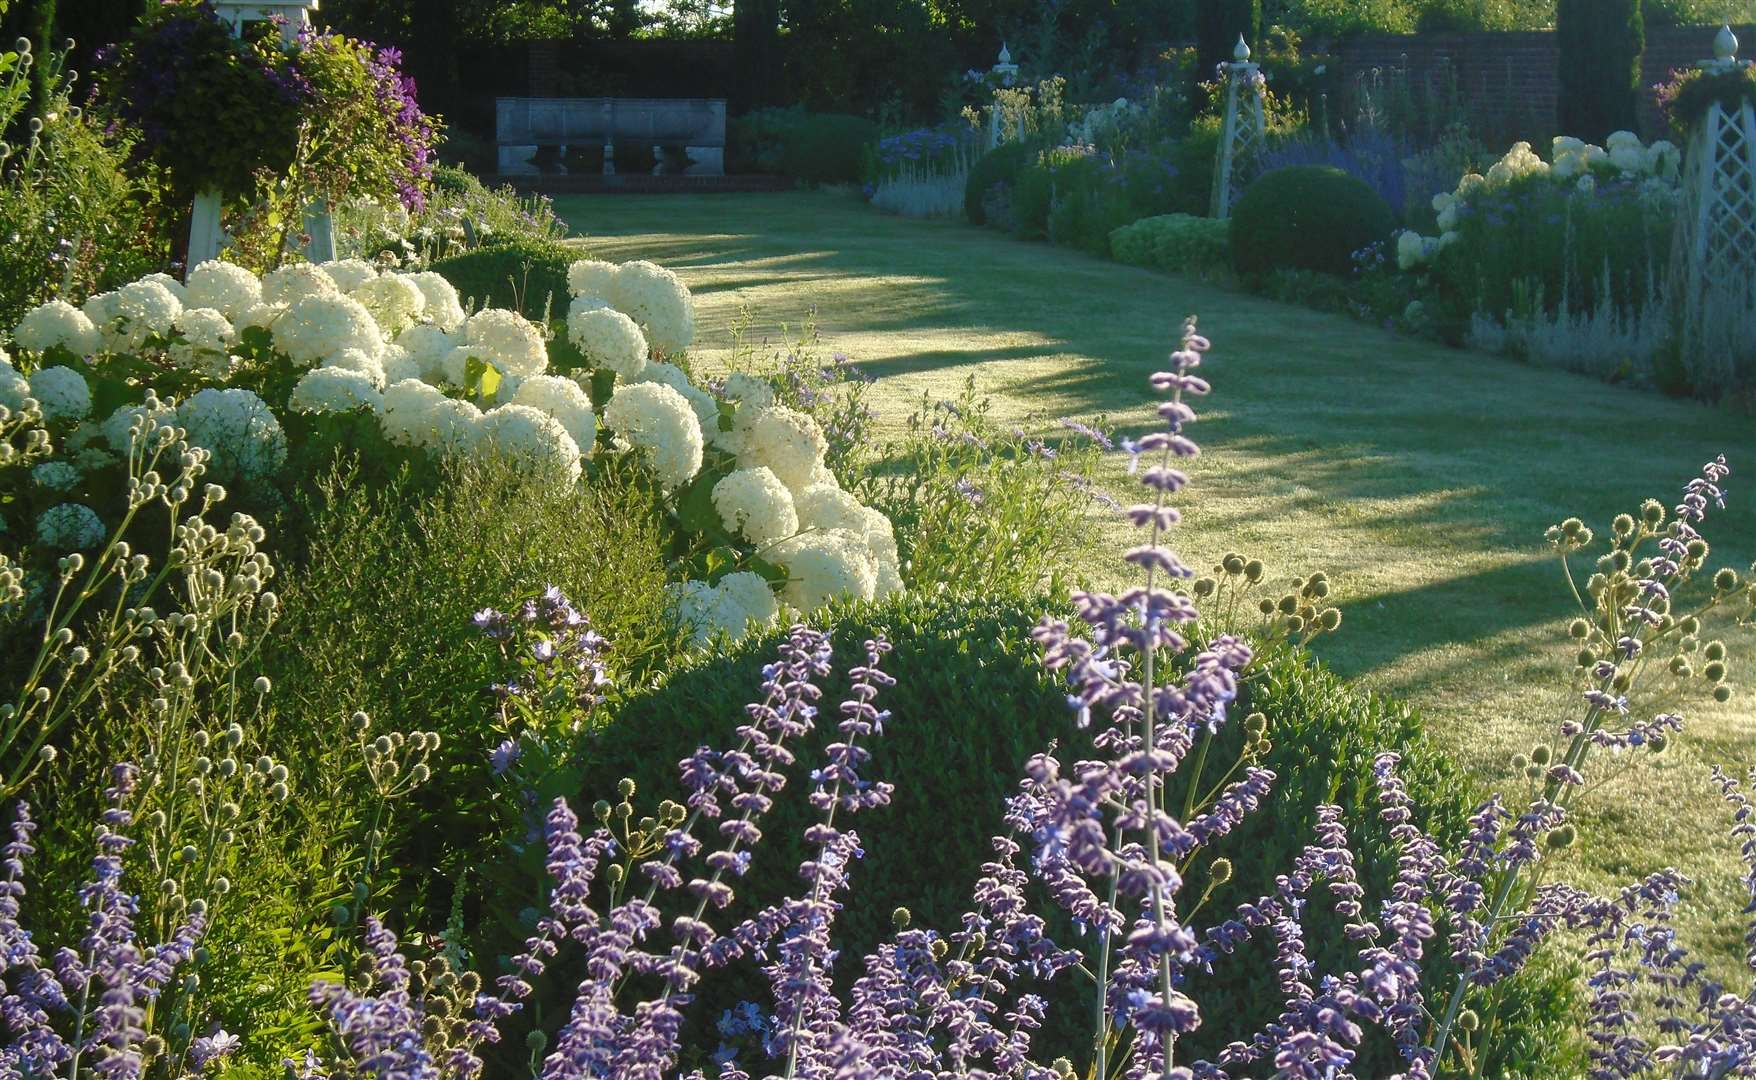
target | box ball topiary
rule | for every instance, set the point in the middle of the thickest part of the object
(1307, 217)
(970, 706)
(525, 274)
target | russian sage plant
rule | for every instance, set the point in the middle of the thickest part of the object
(1096, 837)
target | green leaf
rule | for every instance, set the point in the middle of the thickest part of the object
(482, 379)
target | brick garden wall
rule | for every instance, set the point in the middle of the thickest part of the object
(1509, 79)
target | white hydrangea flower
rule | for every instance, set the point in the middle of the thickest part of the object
(394, 300)
(334, 390)
(397, 365)
(443, 309)
(349, 274)
(1664, 160)
(207, 342)
(1410, 249)
(658, 419)
(408, 412)
(591, 278)
(57, 324)
(754, 504)
(100, 308)
(70, 527)
(881, 542)
(117, 429)
(608, 339)
(230, 290)
(322, 326)
(826, 506)
(752, 594)
(56, 475)
(14, 388)
(564, 400)
(659, 301)
(455, 426)
(361, 364)
(296, 281)
(428, 345)
(1620, 140)
(260, 317)
(239, 430)
(705, 407)
(785, 440)
(1628, 157)
(825, 566)
(749, 391)
(524, 433)
(507, 340)
(61, 392)
(171, 284)
(139, 310)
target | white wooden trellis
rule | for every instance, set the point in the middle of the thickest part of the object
(1242, 132)
(1713, 263)
(206, 237)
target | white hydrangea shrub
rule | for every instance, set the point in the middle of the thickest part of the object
(228, 289)
(658, 300)
(335, 390)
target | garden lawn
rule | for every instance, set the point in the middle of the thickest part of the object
(1421, 478)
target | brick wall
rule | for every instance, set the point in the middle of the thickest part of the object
(1509, 79)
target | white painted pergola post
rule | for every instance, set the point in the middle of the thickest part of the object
(1242, 131)
(206, 237)
(1713, 255)
(1005, 71)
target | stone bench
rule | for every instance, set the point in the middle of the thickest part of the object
(583, 126)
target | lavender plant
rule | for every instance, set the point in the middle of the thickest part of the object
(1100, 839)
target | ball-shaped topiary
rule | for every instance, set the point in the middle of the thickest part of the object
(1306, 217)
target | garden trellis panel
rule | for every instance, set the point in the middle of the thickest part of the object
(1243, 131)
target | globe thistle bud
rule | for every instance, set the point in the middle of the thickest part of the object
(1533, 772)
(360, 723)
(1295, 624)
(900, 918)
(1255, 724)
(1681, 668)
(47, 754)
(432, 1028)
(625, 788)
(1288, 604)
(228, 767)
(1722, 693)
(202, 766)
(1620, 561)
(940, 949)
(1063, 1069)
(1657, 743)
(1596, 583)
(1221, 871)
(1689, 625)
(1204, 588)
(1562, 838)
(1317, 589)
(278, 791)
(230, 811)
(648, 825)
(601, 810)
(1330, 620)
(1579, 629)
(1233, 563)
(222, 886)
(1714, 671)
(1652, 513)
(1623, 526)
(278, 774)
(614, 873)
(1519, 761)
(1585, 658)
(1696, 549)
(1726, 579)
(41, 694)
(624, 810)
(1542, 754)
(383, 745)
(1467, 1020)
(419, 773)
(1254, 571)
(1621, 682)
(153, 1046)
(1714, 650)
(1265, 605)
(536, 1042)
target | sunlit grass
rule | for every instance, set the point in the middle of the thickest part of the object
(1421, 478)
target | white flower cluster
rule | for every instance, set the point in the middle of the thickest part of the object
(57, 324)
(738, 602)
(653, 297)
(239, 431)
(754, 504)
(70, 527)
(607, 339)
(62, 393)
(657, 419)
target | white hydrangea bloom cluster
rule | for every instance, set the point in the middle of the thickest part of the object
(658, 300)
(785, 440)
(14, 388)
(591, 279)
(228, 289)
(61, 392)
(293, 282)
(394, 300)
(565, 401)
(505, 339)
(443, 308)
(239, 430)
(738, 602)
(659, 420)
(349, 274)
(754, 504)
(127, 318)
(335, 390)
(321, 326)
(205, 339)
(532, 437)
(56, 475)
(825, 566)
(57, 324)
(607, 339)
(701, 402)
(70, 527)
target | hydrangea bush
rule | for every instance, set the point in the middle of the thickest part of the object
(310, 356)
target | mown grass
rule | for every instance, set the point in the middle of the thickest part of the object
(1420, 478)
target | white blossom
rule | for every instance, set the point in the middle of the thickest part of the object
(318, 327)
(334, 390)
(228, 289)
(564, 400)
(658, 419)
(57, 324)
(507, 340)
(239, 430)
(659, 301)
(61, 392)
(70, 527)
(608, 339)
(754, 504)
(532, 437)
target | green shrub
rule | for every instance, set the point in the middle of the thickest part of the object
(1181, 242)
(994, 174)
(1090, 202)
(813, 148)
(1308, 217)
(524, 273)
(1193, 158)
(971, 704)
